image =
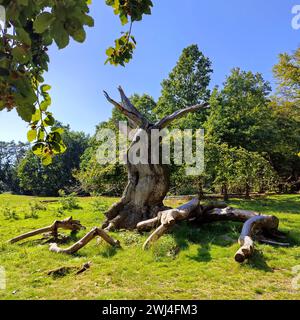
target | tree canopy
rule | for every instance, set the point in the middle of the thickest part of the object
(31, 27)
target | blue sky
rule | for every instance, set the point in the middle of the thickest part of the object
(248, 34)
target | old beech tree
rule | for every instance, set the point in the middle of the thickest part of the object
(141, 206)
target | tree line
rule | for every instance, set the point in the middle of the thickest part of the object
(252, 136)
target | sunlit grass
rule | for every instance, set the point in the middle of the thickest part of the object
(187, 264)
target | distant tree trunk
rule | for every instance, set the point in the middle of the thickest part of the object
(247, 191)
(225, 192)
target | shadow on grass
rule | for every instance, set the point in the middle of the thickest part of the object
(257, 261)
(222, 234)
(47, 239)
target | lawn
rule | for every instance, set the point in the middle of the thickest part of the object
(188, 264)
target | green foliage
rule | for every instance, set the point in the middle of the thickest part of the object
(37, 179)
(287, 72)
(11, 154)
(122, 52)
(98, 206)
(10, 214)
(34, 208)
(31, 28)
(238, 170)
(240, 115)
(165, 248)
(186, 85)
(68, 202)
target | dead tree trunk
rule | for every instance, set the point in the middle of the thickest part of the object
(148, 183)
(141, 205)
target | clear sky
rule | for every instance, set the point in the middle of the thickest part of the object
(248, 34)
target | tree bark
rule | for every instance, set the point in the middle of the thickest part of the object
(148, 183)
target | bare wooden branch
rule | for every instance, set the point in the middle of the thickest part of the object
(127, 108)
(95, 232)
(168, 218)
(252, 225)
(67, 224)
(178, 114)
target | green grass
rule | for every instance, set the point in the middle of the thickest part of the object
(189, 264)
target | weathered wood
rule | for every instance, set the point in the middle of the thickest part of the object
(95, 232)
(252, 225)
(148, 183)
(67, 224)
(166, 121)
(167, 219)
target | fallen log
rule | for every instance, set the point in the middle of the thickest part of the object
(167, 219)
(95, 232)
(255, 225)
(67, 224)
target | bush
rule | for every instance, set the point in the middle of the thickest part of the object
(166, 247)
(99, 206)
(34, 206)
(10, 214)
(68, 202)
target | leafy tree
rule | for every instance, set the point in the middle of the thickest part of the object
(186, 85)
(240, 113)
(287, 72)
(37, 179)
(238, 170)
(286, 109)
(11, 154)
(31, 27)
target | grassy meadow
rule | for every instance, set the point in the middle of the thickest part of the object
(187, 264)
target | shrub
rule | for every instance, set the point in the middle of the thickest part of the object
(99, 206)
(166, 247)
(10, 214)
(68, 202)
(34, 207)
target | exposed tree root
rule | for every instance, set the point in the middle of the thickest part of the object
(167, 219)
(95, 232)
(256, 226)
(67, 224)
(252, 226)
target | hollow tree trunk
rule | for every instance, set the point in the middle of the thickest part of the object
(148, 183)
(142, 199)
